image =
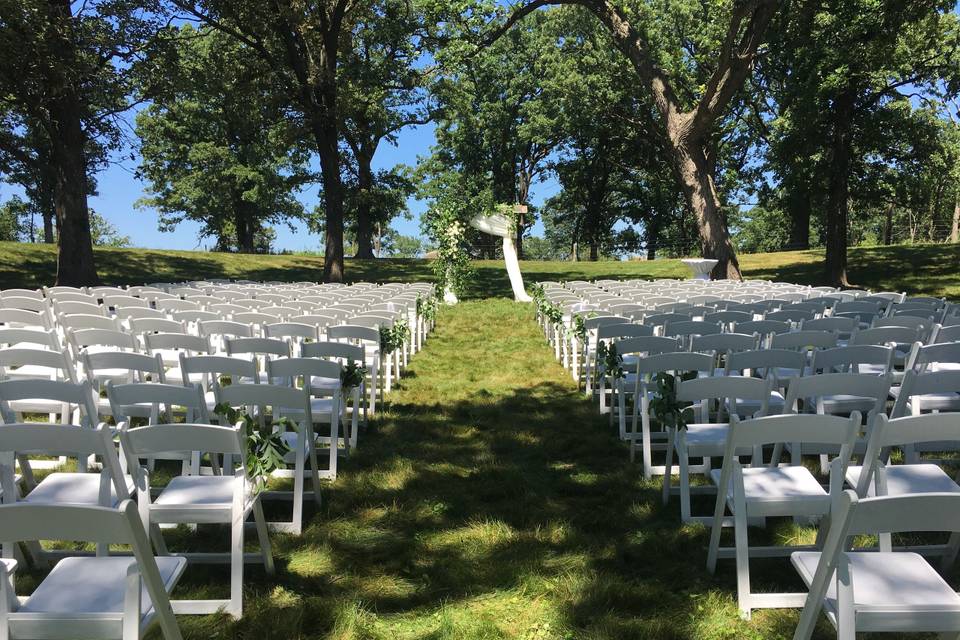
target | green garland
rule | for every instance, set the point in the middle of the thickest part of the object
(352, 375)
(265, 450)
(611, 360)
(427, 307)
(664, 404)
(393, 338)
(452, 267)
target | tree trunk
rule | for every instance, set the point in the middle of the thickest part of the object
(48, 217)
(696, 178)
(955, 229)
(364, 217)
(652, 231)
(838, 196)
(75, 261)
(888, 225)
(325, 133)
(523, 194)
(243, 223)
(798, 206)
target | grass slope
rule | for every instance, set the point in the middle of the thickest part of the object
(917, 269)
(490, 501)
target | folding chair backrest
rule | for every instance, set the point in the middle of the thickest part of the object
(208, 369)
(194, 316)
(794, 428)
(762, 327)
(804, 340)
(47, 339)
(727, 317)
(145, 441)
(730, 388)
(71, 308)
(140, 326)
(87, 321)
(837, 325)
(291, 330)
(25, 318)
(353, 332)
(138, 364)
(860, 385)
(623, 330)
(281, 398)
(765, 361)
(176, 304)
(661, 319)
(899, 432)
(115, 301)
(129, 313)
(939, 353)
(886, 335)
(338, 350)
(691, 328)
(123, 397)
(225, 328)
(724, 342)
(178, 341)
(848, 359)
(791, 315)
(306, 368)
(70, 393)
(676, 361)
(82, 338)
(258, 346)
(920, 384)
(58, 362)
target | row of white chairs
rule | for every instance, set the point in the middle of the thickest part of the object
(759, 387)
(168, 384)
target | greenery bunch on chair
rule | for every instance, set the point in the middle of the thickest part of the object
(352, 375)
(393, 338)
(427, 307)
(611, 360)
(664, 404)
(266, 448)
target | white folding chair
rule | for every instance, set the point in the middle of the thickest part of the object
(762, 491)
(713, 398)
(224, 497)
(883, 591)
(284, 401)
(110, 597)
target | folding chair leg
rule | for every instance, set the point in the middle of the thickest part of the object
(263, 536)
(235, 609)
(684, 464)
(668, 468)
(743, 562)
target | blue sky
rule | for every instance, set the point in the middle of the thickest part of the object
(119, 190)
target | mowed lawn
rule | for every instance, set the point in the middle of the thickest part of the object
(932, 269)
(490, 501)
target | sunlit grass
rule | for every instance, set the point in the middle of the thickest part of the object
(919, 269)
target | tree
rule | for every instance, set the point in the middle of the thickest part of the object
(401, 246)
(105, 234)
(496, 123)
(844, 78)
(216, 147)
(669, 62)
(382, 88)
(64, 80)
(15, 220)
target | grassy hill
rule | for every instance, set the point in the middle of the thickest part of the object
(917, 269)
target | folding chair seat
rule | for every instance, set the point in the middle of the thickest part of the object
(111, 597)
(706, 439)
(886, 591)
(762, 491)
(285, 402)
(225, 497)
(875, 359)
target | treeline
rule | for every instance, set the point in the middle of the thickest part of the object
(670, 128)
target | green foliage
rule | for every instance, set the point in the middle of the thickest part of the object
(401, 246)
(762, 230)
(446, 226)
(15, 219)
(427, 307)
(611, 360)
(265, 448)
(352, 375)
(105, 234)
(242, 167)
(394, 337)
(664, 404)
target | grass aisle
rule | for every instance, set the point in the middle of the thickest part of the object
(491, 502)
